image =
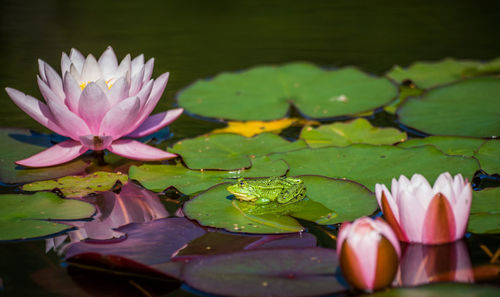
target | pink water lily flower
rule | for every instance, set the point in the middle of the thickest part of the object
(368, 252)
(423, 214)
(97, 103)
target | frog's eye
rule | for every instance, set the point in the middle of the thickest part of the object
(242, 183)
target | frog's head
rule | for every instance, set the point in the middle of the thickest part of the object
(242, 190)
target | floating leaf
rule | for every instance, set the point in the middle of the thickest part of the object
(466, 108)
(488, 68)
(489, 156)
(485, 211)
(79, 186)
(28, 216)
(369, 164)
(230, 151)
(430, 74)
(252, 128)
(18, 144)
(278, 272)
(266, 92)
(159, 177)
(357, 131)
(329, 201)
(449, 145)
(440, 290)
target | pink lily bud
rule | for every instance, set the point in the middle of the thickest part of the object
(423, 214)
(368, 252)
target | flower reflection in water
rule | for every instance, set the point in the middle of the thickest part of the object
(422, 264)
(132, 205)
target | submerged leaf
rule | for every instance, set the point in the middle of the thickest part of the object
(79, 186)
(357, 131)
(41, 214)
(266, 93)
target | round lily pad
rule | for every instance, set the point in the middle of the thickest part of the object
(266, 93)
(29, 216)
(441, 290)
(450, 145)
(159, 177)
(430, 74)
(18, 144)
(230, 151)
(466, 108)
(370, 164)
(329, 201)
(278, 272)
(489, 156)
(79, 186)
(357, 131)
(485, 211)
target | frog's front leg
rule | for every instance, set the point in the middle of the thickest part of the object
(294, 192)
(262, 201)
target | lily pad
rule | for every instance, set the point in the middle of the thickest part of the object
(370, 164)
(252, 128)
(343, 134)
(278, 272)
(79, 186)
(18, 144)
(230, 151)
(488, 68)
(441, 290)
(329, 201)
(159, 177)
(466, 108)
(430, 74)
(266, 93)
(485, 211)
(449, 145)
(489, 156)
(30, 216)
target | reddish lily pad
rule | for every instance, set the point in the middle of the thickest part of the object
(266, 93)
(230, 151)
(276, 272)
(41, 214)
(18, 144)
(160, 177)
(343, 134)
(79, 186)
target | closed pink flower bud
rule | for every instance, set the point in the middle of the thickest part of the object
(98, 104)
(423, 214)
(368, 252)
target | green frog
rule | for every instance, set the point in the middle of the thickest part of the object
(267, 195)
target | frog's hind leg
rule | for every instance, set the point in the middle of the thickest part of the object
(294, 193)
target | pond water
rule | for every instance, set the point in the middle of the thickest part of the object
(197, 39)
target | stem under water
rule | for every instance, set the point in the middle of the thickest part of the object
(99, 157)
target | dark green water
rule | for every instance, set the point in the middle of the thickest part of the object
(197, 39)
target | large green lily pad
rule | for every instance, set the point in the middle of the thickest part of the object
(29, 216)
(485, 211)
(370, 164)
(266, 93)
(489, 156)
(441, 290)
(18, 144)
(79, 186)
(159, 177)
(449, 145)
(329, 201)
(230, 151)
(488, 68)
(466, 108)
(430, 74)
(356, 131)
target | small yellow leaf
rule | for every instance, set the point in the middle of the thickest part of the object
(252, 128)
